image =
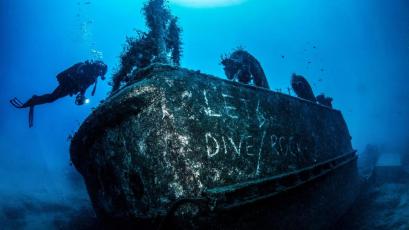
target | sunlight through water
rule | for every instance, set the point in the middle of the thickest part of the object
(207, 3)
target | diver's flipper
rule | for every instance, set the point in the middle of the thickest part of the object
(16, 103)
(17, 100)
(31, 116)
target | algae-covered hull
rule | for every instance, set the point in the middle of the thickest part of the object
(181, 148)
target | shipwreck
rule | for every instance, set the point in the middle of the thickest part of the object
(178, 148)
(173, 148)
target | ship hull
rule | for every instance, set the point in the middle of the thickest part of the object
(180, 148)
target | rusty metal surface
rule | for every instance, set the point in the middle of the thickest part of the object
(260, 189)
(173, 134)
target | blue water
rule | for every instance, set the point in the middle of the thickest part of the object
(356, 51)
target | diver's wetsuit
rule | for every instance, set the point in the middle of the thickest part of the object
(74, 80)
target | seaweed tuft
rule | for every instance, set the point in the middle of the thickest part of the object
(160, 44)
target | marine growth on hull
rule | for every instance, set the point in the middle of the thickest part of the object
(172, 147)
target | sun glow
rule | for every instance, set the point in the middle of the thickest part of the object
(207, 3)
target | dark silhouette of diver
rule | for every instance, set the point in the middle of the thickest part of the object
(74, 80)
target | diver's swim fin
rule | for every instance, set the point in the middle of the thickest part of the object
(16, 103)
(31, 116)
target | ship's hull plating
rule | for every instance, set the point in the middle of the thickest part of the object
(180, 148)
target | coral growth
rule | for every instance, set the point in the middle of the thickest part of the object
(243, 67)
(160, 44)
(324, 100)
(302, 88)
(157, 17)
(174, 42)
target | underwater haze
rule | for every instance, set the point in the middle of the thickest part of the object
(356, 51)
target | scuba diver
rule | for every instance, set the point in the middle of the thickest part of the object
(74, 80)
